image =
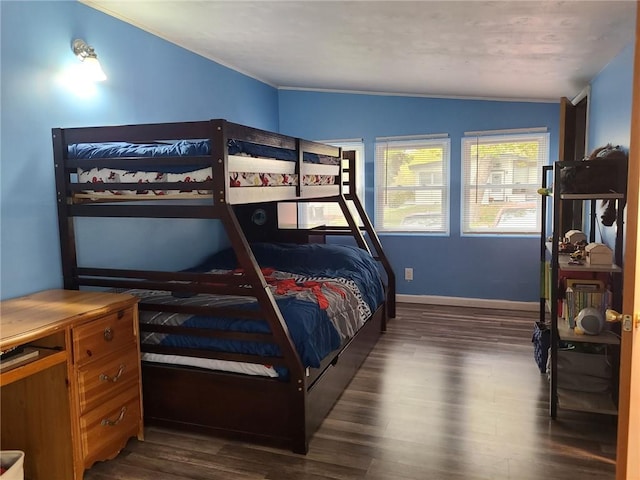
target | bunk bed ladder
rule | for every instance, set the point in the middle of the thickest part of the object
(368, 227)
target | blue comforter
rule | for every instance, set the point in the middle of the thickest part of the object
(310, 328)
(313, 329)
(185, 148)
(312, 259)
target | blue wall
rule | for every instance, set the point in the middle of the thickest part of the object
(610, 112)
(454, 266)
(610, 103)
(149, 80)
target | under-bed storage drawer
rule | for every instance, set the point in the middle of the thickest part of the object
(104, 430)
(99, 381)
(103, 336)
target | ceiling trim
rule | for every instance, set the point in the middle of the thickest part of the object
(419, 95)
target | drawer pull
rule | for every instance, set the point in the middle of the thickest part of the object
(106, 378)
(108, 334)
(113, 423)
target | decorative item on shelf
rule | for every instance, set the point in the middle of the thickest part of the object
(577, 256)
(566, 247)
(590, 321)
(599, 254)
(575, 237)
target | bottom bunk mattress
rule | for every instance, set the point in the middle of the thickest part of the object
(325, 294)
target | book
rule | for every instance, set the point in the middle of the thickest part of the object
(25, 356)
(579, 297)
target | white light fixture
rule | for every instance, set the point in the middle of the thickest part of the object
(91, 65)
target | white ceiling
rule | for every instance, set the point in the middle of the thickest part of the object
(530, 50)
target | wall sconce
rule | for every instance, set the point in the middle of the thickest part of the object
(91, 66)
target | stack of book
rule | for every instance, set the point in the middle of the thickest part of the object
(582, 294)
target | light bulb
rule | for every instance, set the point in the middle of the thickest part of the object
(93, 69)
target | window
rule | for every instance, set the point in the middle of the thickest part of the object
(412, 184)
(501, 175)
(329, 213)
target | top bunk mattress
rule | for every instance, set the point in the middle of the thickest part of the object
(188, 148)
(249, 165)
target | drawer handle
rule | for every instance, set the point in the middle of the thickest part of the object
(106, 378)
(113, 423)
(108, 334)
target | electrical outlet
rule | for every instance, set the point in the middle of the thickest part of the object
(408, 274)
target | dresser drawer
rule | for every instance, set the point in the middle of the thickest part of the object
(99, 381)
(103, 336)
(105, 430)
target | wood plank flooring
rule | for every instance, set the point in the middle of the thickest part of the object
(449, 393)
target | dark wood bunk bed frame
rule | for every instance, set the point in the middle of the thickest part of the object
(280, 412)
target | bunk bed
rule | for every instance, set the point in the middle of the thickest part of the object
(223, 343)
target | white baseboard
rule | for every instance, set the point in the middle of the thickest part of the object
(469, 302)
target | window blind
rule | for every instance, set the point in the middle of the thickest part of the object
(412, 184)
(501, 173)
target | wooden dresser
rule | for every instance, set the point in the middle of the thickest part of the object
(78, 400)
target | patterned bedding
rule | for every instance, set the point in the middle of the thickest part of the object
(147, 172)
(321, 311)
(236, 179)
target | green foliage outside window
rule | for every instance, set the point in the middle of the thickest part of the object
(412, 175)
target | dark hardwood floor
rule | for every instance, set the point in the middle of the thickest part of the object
(448, 393)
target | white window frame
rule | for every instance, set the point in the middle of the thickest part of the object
(513, 198)
(383, 210)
